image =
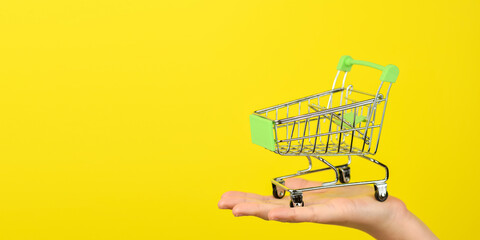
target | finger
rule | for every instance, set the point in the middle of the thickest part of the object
(304, 214)
(320, 213)
(296, 183)
(229, 203)
(256, 209)
(350, 191)
(237, 194)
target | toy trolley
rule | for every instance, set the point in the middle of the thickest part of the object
(342, 122)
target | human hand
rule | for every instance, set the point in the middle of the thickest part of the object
(353, 206)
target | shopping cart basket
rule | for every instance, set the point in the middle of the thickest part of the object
(340, 122)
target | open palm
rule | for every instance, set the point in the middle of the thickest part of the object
(353, 206)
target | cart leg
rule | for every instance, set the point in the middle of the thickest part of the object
(381, 193)
(309, 167)
(331, 167)
(278, 184)
(310, 170)
(296, 195)
(381, 164)
(296, 199)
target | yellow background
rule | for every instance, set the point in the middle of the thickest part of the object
(129, 119)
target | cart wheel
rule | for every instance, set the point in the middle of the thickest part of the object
(381, 197)
(296, 200)
(292, 205)
(278, 192)
(344, 173)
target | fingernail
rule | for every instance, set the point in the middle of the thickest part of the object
(237, 214)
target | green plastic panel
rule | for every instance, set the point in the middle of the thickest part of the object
(262, 132)
(390, 73)
(348, 117)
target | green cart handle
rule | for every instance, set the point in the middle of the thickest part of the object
(389, 72)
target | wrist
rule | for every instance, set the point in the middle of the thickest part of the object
(401, 224)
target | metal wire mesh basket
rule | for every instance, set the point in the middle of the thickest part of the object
(340, 122)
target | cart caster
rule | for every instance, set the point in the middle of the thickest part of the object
(278, 192)
(296, 200)
(292, 205)
(344, 173)
(381, 193)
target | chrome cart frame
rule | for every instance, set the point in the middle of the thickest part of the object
(340, 122)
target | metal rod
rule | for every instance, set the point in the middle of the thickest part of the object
(333, 86)
(383, 116)
(326, 111)
(325, 134)
(333, 168)
(325, 186)
(261, 111)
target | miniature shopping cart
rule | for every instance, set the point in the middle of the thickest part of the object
(341, 122)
